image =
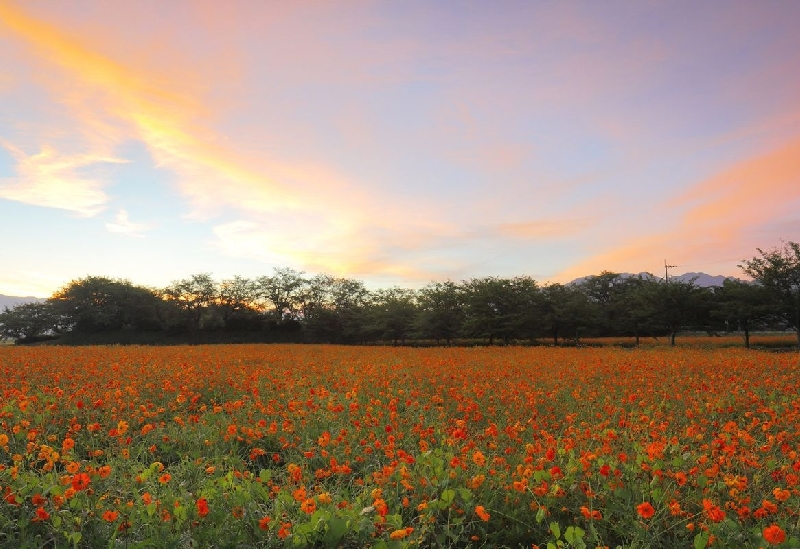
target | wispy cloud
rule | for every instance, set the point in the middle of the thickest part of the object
(714, 219)
(124, 225)
(55, 180)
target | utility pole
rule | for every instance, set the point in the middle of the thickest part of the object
(666, 270)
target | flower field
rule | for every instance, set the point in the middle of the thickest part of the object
(295, 446)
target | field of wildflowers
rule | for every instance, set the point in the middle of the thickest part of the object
(324, 446)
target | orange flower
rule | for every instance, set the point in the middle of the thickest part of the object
(593, 514)
(68, 444)
(300, 494)
(110, 516)
(308, 506)
(285, 530)
(147, 498)
(769, 507)
(645, 510)
(80, 482)
(478, 458)
(774, 534)
(400, 534)
(781, 494)
(264, 523)
(482, 514)
(163, 479)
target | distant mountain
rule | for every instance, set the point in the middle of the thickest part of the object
(701, 279)
(11, 301)
(704, 280)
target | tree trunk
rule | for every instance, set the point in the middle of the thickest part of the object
(672, 338)
(746, 335)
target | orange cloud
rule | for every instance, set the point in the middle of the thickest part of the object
(723, 219)
(163, 118)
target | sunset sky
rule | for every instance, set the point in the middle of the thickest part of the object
(394, 142)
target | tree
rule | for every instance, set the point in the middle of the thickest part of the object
(778, 270)
(605, 291)
(675, 304)
(349, 299)
(97, 303)
(392, 313)
(566, 309)
(27, 321)
(441, 311)
(742, 303)
(636, 314)
(490, 308)
(193, 297)
(237, 304)
(526, 318)
(283, 291)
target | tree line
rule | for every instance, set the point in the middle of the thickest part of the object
(290, 306)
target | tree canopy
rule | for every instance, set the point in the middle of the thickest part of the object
(290, 305)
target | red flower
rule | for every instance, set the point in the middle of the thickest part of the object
(202, 507)
(80, 482)
(774, 534)
(645, 510)
(714, 512)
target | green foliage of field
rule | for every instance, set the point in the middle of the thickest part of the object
(327, 446)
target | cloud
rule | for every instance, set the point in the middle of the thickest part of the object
(129, 101)
(123, 225)
(544, 229)
(55, 180)
(714, 219)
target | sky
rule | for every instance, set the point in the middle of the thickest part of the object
(394, 142)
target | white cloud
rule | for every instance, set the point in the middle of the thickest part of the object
(124, 225)
(55, 180)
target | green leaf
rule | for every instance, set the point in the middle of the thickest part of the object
(574, 536)
(555, 529)
(337, 528)
(540, 515)
(700, 540)
(448, 496)
(465, 493)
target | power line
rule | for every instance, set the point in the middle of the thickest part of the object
(666, 270)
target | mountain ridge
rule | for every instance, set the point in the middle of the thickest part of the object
(703, 280)
(12, 301)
